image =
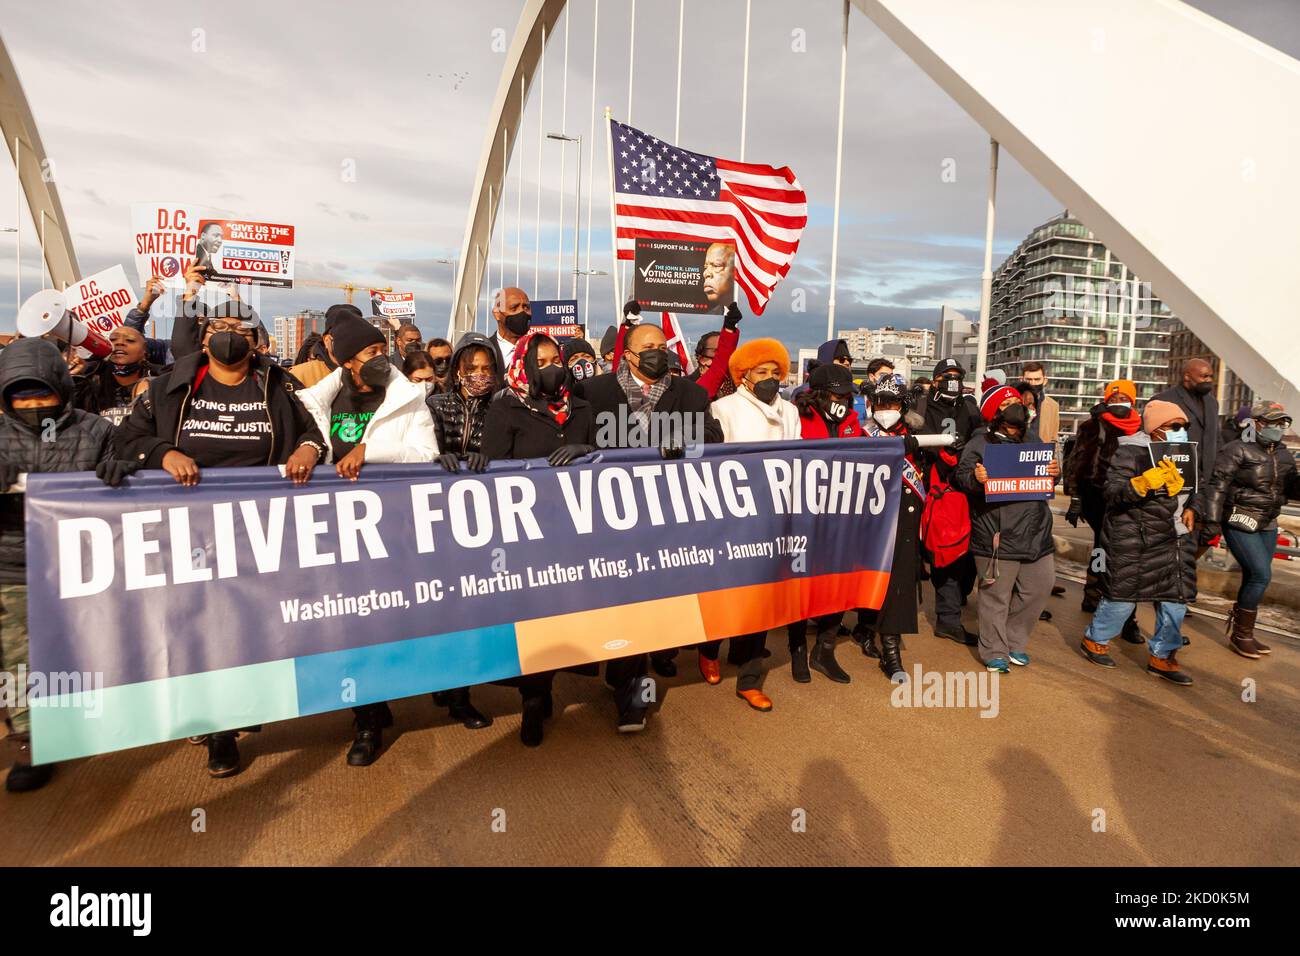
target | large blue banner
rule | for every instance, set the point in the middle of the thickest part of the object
(246, 598)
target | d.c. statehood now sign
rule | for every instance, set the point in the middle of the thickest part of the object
(246, 599)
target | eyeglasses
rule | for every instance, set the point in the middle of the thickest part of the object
(242, 327)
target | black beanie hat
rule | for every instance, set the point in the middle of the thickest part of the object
(341, 311)
(832, 378)
(351, 335)
(576, 346)
(608, 340)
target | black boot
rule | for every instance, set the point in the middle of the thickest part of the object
(531, 729)
(459, 707)
(223, 754)
(369, 739)
(866, 638)
(799, 663)
(662, 662)
(1131, 632)
(23, 777)
(823, 659)
(891, 658)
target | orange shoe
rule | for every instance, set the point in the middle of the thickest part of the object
(756, 699)
(711, 670)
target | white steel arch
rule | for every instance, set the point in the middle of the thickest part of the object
(1203, 208)
(25, 149)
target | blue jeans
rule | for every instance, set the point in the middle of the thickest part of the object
(1111, 615)
(1254, 552)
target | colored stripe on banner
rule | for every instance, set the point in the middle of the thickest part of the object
(761, 607)
(550, 643)
(133, 715)
(400, 669)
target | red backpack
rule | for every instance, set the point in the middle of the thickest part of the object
(945, 522)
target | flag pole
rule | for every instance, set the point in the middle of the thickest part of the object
(591, 162)
(744, 86)
(681, 23)
(541, 140)
(613, 216)
(839, 170)
(631, 59)
(519, 186)
(564, 156)
(986, 279)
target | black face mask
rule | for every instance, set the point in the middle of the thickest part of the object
(1203, 388)
(835, 411)
(582, 370)
(949, 390)
(130, 368)
(765, 391)
(517, 324)
(1120, 411)
(652, 363)
(228, 348)
(375, 372)
(550, 380)
(440, 366)
(37, 417)
(1017, 416)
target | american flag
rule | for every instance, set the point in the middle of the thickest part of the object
(663, 192)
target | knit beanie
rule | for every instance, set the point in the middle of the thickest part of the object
(351, 335)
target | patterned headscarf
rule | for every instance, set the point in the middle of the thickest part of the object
(523, 366)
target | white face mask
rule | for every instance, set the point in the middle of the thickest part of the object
(887, 418)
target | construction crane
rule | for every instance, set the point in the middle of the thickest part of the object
(347, 287)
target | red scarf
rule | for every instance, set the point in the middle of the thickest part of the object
(1125, 426)
(517, 380)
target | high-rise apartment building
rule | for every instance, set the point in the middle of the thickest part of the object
(1063, 300)
(292, 330)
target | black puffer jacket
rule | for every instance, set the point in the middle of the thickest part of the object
(81, 441)
(1148, 556)
(1093, 449)
(1026, 526)
(1253, 477)
(457, 420)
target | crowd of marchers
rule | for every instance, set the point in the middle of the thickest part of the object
(212, 396)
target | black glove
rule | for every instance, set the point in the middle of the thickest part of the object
(731, 318)
(8, 474)
(1074, 513)
(910, 445)
(631, 311)
(476, 462)
(672, 452)
(958, 443)
(112, 471)
(450, 462)
(566, 454)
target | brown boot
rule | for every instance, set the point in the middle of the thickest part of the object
(1241, 633)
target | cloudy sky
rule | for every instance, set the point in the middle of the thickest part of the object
(260, 109)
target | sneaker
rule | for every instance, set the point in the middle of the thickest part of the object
(1097, 653)
(997, 665)
(1019, 658)
(631, 720)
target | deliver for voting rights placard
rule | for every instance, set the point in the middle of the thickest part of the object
(689, 278)
(1018, 471)
(557, 318)
(102, 300)
(392, 305)
(1184, 456)
(250, 253)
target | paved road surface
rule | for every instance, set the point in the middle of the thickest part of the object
(1184, 777)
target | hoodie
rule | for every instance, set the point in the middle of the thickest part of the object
(79, 442)
(457, 420)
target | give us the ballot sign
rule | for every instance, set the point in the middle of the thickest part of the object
(1019, 472)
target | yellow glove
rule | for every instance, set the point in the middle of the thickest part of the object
(1155, 478)
(1173, 477)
